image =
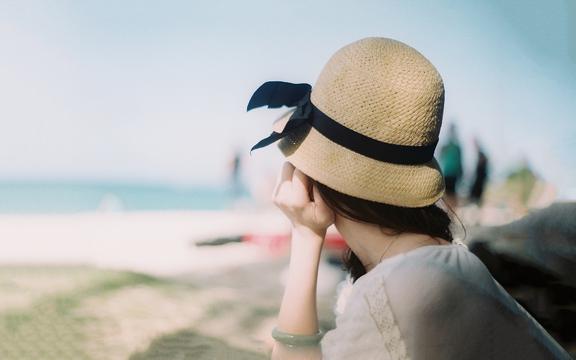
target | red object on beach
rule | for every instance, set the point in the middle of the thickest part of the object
(278, 243)
(275, 243)
(335, 241)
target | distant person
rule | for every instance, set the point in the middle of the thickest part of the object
(236, 175)
(451, 163)
(416, 292)
(480, 175)
(521, 182)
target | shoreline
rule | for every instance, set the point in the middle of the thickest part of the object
(159, 243)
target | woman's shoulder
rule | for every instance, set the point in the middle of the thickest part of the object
(427, 275)
(430, 292)
(435, 265)
(425, 301)
(431, 266)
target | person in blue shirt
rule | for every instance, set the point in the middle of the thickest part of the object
(451, 164)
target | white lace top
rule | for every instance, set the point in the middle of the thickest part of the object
(435, 302)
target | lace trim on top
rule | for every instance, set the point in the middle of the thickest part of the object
(381, 312)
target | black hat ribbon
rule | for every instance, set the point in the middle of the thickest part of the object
(276, 94)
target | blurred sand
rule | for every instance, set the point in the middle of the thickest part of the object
(133, 285)
(156, 243)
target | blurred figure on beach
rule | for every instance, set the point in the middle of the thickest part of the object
(476, 191)
(522, 183)
(235, 173)
(480, 175)
(451, 163)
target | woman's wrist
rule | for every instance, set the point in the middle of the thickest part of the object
(304, 233)
(305, 254)
(306, 244)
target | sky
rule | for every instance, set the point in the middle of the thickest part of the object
(148, 91)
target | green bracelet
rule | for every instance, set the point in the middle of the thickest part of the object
(297, 339)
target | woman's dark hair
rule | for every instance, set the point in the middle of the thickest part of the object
(428, 220)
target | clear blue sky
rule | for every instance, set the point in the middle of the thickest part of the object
(156, 91)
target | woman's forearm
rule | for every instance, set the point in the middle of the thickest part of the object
(300, 200)
(298, 313)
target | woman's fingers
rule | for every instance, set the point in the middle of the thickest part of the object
(322, 211)
(300, 186)
(301, 202)
(287, 171)
(318, 200)
(293, 188)
(285, 176)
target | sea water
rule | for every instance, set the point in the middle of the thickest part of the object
(35, 197)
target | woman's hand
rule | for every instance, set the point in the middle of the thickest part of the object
(293, 196)
(310, 216)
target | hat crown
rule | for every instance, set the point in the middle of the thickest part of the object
(384, 89)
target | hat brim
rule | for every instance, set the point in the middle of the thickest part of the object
(357, 175)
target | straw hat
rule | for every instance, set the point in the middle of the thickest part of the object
(369, 126)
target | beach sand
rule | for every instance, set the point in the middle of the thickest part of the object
(135, 286)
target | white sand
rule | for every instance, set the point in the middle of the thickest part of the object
(162, 244)
(159, 243)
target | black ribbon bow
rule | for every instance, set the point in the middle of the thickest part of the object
(276, 94)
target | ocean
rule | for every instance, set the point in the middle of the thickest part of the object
(35, 197)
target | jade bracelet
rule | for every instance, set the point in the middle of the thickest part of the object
(296, 339)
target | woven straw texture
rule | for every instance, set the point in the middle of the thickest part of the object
(388, 91)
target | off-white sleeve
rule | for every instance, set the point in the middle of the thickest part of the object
(440, 305)
(357, 334)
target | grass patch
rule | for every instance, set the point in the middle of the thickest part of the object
(50, 327)
(189, 345)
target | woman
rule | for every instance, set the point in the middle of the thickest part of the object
(360, 148)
